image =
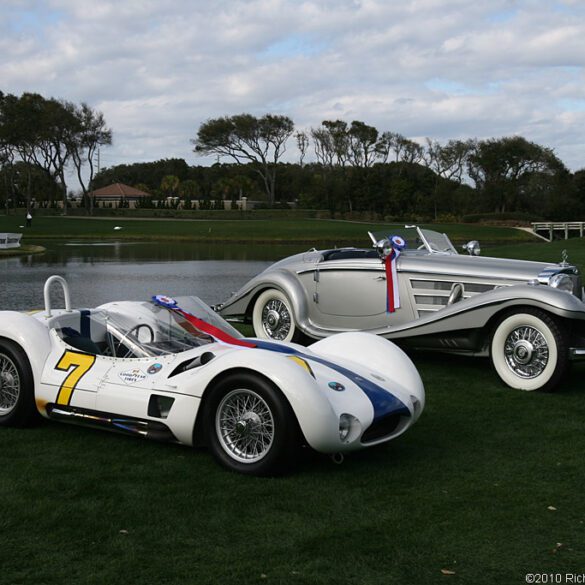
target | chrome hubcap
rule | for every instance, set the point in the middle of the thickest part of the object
(272, 319)
(247, 425)
(9, 385)
(276, 319)
(526, 352)
(244, 426)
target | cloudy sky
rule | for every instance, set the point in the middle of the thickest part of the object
(425, 68)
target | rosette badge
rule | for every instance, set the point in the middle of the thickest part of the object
(398, 242)
(165, 301)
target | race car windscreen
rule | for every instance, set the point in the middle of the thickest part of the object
(150, 330)
(197, 307)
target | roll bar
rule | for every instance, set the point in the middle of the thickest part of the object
(47, 291)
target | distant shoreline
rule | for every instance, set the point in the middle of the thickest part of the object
(23, 250)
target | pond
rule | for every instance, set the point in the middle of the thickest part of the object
(98, 272)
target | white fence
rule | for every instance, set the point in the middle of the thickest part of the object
(9, 240)
(560, 228)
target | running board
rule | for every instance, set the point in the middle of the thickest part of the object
(576, 354)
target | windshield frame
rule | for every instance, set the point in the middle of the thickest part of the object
(418, 240)
(436, 242)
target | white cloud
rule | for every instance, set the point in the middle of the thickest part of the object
(438, 68)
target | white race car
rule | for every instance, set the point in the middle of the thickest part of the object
(173, 370)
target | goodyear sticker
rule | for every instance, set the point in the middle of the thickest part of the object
(132, 376)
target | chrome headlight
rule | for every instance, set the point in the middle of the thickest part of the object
(349, 427)
(472, 248)
(384, 247)
(344, 426)
(562, 282)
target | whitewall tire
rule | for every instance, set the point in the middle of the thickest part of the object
(273, 318)
(528, 350)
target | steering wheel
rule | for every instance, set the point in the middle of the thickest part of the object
(121, 343)
(134, 331)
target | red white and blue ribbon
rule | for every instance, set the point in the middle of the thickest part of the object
(392, 289)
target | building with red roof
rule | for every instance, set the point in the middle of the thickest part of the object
(118, 192)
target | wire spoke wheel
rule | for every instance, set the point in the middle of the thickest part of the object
(273, 317)
(17, 399)
(276, 319)
(249, 425)
(9, 385)
(245, 425)
(529, 350)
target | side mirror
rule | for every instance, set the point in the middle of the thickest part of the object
(472, 248)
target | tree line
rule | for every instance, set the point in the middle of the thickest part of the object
(40, 140)
(341, 167)
(356, 168)
(359, 168)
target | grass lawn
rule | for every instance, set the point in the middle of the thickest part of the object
(545, 252)
(470, 489)
(309, 231)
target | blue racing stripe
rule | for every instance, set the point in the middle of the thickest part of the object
(382, 400)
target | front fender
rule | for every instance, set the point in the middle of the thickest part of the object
(477, 311)
(242, 302)
(312, 409)
(371, 353)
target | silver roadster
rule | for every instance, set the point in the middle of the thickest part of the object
(415, 288)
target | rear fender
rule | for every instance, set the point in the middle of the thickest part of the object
(30, 334)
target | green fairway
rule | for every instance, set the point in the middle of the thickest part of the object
(307, 231)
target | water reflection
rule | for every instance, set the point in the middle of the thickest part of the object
(99, 272)
(83, 251)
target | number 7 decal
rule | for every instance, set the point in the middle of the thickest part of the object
(81, 364)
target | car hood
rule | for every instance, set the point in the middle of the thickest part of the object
(455, 264)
